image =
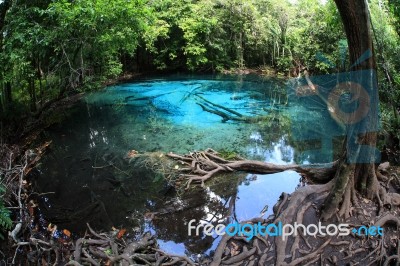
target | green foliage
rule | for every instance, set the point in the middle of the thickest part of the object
(390, 123)
(276, 121)
(315, 38)
(159, 177)
(394, 6)
(91, 36)
(5, 220)
(387, 50)
(53, 48)
(212, 34)
(387, 39)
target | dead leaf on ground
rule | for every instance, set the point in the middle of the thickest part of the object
(121, 233)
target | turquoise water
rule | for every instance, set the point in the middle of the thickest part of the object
(94, 182)
(164, 115)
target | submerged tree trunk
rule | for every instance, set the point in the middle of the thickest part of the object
(358, 173)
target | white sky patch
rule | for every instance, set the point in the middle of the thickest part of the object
(295, 1)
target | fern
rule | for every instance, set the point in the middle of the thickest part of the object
(5, 220)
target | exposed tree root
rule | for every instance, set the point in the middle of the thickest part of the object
(110, 249)
(294, 211)
(297, 249)
(388, 218)
(201, 166)
(308, 250)
(206, 164)
(242, 256)
(291, 213)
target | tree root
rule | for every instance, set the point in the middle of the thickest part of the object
(174, 258)
(304, 197)
(220, 250)
(298, 198)
(388, 218)
(291, 251)
(242, 256)
(302, 260)
(203, 165)
(340, 202)
(391, 258)
(92, 249)
(282, 201)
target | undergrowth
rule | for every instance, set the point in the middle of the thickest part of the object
(5, 220)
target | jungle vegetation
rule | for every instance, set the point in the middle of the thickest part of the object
(50, 50)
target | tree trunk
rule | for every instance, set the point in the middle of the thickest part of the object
(32, 93)
(358, 172)
(4, 6)
(6, 86)
(7, 93)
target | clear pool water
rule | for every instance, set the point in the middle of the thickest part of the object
(93, 182)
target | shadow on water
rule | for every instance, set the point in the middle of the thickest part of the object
(93, 180)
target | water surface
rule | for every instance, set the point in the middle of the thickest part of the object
(94, 182)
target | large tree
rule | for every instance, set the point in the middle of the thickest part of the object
(360, 173)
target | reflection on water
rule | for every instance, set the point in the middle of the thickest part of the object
(95, 182)
(254, 197)
(263, 190)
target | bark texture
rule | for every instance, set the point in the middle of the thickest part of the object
(358, 175)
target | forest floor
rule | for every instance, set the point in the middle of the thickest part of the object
(34, 239)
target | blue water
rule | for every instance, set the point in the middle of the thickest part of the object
(175, 114)
(93, 180)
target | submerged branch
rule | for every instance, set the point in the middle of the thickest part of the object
(227, 117)
(133, 98)
(220, 106)
(227, 113)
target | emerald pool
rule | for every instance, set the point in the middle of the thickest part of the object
(90, 178)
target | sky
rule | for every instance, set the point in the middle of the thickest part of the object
(295, 1)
